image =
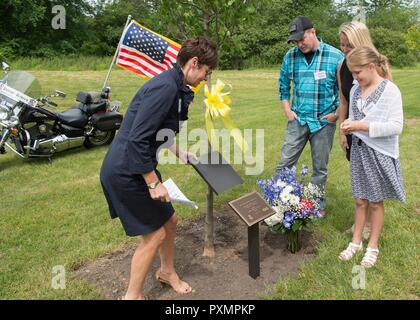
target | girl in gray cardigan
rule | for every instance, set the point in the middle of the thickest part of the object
(376, 121)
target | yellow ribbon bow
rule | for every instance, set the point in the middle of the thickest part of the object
(198, 87)
(217, 105)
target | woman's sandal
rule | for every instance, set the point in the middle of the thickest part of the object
(351, 250)
(369, 259)
(164, 280)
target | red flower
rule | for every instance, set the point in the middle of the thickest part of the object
(306, 204)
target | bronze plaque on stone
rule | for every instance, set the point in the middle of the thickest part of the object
(252, 208)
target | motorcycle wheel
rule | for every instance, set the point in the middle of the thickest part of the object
(100, 138)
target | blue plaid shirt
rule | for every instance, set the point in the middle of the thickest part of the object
(315, 86)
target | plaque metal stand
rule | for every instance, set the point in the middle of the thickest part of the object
(252, 208)
(254, 251)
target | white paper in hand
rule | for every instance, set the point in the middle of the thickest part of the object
(176, 195)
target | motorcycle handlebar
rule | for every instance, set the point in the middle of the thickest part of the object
(105, 93)
(45, 100)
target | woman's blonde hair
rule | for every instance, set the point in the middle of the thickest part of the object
(357, 33)
(364, 55)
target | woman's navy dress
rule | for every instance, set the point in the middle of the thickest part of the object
(160, 104)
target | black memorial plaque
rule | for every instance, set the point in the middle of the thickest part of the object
(217, 173)
(252, 208)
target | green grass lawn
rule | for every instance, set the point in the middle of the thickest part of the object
(56, 214)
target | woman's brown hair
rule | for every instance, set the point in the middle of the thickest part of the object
(202, 48)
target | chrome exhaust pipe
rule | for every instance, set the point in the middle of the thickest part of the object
(60, 143)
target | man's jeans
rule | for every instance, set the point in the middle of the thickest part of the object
(321, 144)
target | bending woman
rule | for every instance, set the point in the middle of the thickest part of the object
(130, 180)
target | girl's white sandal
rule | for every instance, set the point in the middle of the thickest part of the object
(351, 250)
(369, 259)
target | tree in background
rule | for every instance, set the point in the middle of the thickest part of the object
(110, 18)
(250, 33)
(222, 21)
(389, 22)
(413, 38)
(25, 28)
(265, 42)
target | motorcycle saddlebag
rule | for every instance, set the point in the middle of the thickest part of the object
(72, 132)
(107, 121)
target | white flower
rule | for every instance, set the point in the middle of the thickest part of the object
(288, 189)
(294, 200)
(285, 197)
(281, 183)
(275, 218)
(312, 192)
(277, 209)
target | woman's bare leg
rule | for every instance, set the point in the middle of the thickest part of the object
(142, 260)
(167, 270)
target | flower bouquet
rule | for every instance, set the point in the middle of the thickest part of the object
(295, 203)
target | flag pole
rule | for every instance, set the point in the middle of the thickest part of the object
(116, 52)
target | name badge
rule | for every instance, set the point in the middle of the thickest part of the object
(320, 75)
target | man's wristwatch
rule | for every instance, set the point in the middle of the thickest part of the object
(153, 185)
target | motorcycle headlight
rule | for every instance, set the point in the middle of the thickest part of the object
(3, 114)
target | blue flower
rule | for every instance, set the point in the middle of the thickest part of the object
(287, 225)
(304, 172)
(289, 216)
(316, 213)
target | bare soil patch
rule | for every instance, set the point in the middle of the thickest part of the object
(223, 277)
(412, 122)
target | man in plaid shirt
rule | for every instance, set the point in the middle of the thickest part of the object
(312, 68)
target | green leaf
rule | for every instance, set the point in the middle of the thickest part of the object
(297, 225)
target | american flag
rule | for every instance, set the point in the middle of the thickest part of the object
(146, 53)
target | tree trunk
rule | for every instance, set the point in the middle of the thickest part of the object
(209, 227)
(209, 221)
(206, 24)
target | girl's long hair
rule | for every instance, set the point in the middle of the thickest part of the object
(364, 55)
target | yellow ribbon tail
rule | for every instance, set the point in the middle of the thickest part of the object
(210, 130)
(236, 134)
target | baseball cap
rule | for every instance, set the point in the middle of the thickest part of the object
(297, 28)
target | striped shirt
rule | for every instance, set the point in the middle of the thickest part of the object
(315, 86)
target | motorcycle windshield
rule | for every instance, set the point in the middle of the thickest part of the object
(18, 87)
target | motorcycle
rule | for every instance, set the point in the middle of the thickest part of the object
(30, 130)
